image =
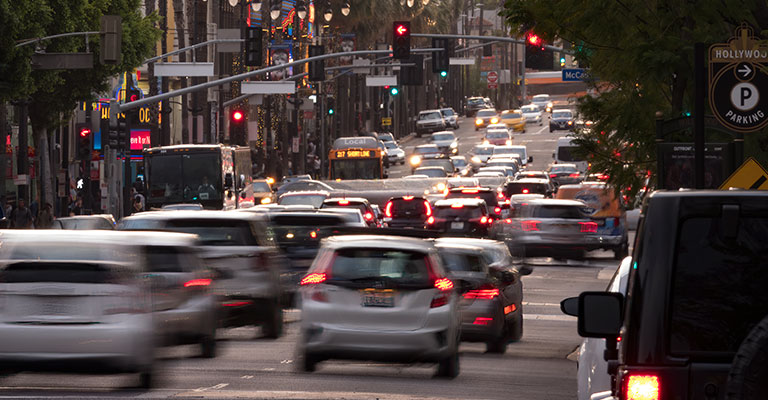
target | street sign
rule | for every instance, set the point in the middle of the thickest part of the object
(493, 79)
(184, 69)
(386, 121)
(574, 74)
(267, 87)
(736, 78)
(750, 175)
(461, 61)
(382, 80)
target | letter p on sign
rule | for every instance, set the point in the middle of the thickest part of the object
(745, 96)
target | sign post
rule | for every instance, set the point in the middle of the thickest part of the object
(493, 79)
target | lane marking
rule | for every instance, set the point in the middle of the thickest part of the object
(545, 317)
(214, 387)
(530, 303)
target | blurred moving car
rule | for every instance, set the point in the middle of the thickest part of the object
(561, 120)
(352, 216)
(491, 310)
(497, 137)
(532, 114)
(490, 196)
(240, 250)
(564, 174)
(514, 120)
(423, 152)
(432, 172)
(461, 166)
(407, 212)
(444, 163)
(262, 191)
(529, 186)
(309, 197)
(304, 185)
(480, 154)
(446, 142)
(85, 222)
(379, 298)
(461, 216)
(395, 154)
(451, 118)
(543, 101)
(429, 121)
(76, 303)
(359, 203)
(518, 201)
(553, 228)
(486, 117)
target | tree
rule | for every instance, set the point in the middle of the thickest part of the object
(53, 94)
(642, 53)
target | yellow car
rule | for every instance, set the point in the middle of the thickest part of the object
(513, 119)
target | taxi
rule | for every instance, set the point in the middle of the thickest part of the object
(513, 119)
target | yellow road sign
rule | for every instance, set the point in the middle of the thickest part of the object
(386, 121)
(750, 175)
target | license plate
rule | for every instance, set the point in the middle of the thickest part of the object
(457, 225)
(378, 299)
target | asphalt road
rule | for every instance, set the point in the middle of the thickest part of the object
(537, 367)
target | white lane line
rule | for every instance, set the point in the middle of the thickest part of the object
(530, 303)
(214, 387)
(544, 317)
(246, 377)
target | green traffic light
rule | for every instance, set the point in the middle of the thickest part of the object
(443, 73)
(562, 60)
(330, 111)
(394, 91)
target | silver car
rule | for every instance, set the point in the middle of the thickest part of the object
(379, 298)
(75, 302)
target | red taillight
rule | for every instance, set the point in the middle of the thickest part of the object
(553, 175)
(313, 235)
(388, 209)
(484, 220)
(526, 191)
(642, 387)
(430, 220)
(470, 191)
(368, 216)
(530, 225)
(197, 282)
(500, 195)
(439, 300)
(482, 321)
(427, 208)
(313, 278)
(344, 202)
(237, 303)
(510, 308)
(482, 294)
(497, 210)
(407, 198)
(588, 227)
(574, 175)
(457, 205)
(443, 284)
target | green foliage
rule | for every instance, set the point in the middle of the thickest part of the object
(642, 52)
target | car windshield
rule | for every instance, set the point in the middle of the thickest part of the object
(557, 211)
(216, 232)
(459, 162)
(431, 115)
(486, 113)
(387, 267)
(432, 172)
(261, 187)
(460, 262)
(560, 169)
(447, 112)
(497, 134)
(483, 150)
(530, 109)
(443, 136)
(314, 200)
(426, 150)
(562, 115)
(463, 212)
(541, 97)
(390, 145)
(512, 114)
(475, 101)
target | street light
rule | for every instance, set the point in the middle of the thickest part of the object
(301, 10)
(328, 15)
(275, 10)
(424, 2)
(410, 3)
(256, 5)
(345, 9)
(233, 2)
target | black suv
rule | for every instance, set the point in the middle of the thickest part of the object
(407, 212)
(693, 324)
(490, 196)
(463, 217)
(561, 120)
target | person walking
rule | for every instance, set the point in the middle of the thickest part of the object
(21, 216)
(45, 217)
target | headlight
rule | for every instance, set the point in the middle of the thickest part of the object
(509, 143)
(440, 187)
(478, 121)
(266, 200)
(570, 122)
(485, 141)
(271, 180)
(415, 160)
(454, 144)
(494, 120)
(476, 159)
(549, 105)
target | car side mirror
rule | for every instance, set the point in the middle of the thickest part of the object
(600, 314)
(228, 180)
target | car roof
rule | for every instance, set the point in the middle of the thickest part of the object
(342, 210)
(464, 201)
(429, 111)
(480, 189)
(429, 168)
(562, 110)
(458, 248)
(523, 197)
(475, 242)
(101, 237)
(305, 193)
(563, 165)
(458, 157)
(540, 95)
(416, 176)
(442, 132)
(487, 109)
(350, 199)
(484, 146)
(430, 145)
(556, 202)
(489, 174)
(106, 217)
(378, 242)
(530, 180)
(201, 214)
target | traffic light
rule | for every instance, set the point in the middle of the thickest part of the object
(331, 105)
(440, 59)
(316, 68)
(536, 54)
(488, 50)
(84, 141)
(413, 76)
(394, 91)
(533, 40)
(443, 74)
(562, 61)
(253, 47)
(132, 94)
(123, 141)
(401, 40)
(111, 38)
(237, 127)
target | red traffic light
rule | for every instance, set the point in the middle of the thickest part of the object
(401, 30)
(134, 97)
(84, 132)
(534, 39)
(237, 115)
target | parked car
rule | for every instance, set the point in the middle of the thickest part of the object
(451, 118)
(379, 298)
(514, 120)
(312, 198)
(407, 212)
(446, 142)
(240, 250)
(532, 114)
(486, 117)
(561, 120)
(461, 216)
(429, 121)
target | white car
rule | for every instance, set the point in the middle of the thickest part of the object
(446, 142)
(543, 101)
(353, 216)
(532, 114)
(395, 153)
(379, 298)
(592, 369)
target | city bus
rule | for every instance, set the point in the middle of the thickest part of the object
(214, 175)
(357, 157)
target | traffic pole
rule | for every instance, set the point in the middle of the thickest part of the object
(699, 95)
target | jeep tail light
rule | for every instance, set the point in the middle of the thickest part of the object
(313, 278)
(427, 209)
(443, 284)
(430, 220)
(588, 227)
(553, 175)
(484, 220)
(388, 209)
(530, 225)
(642, 387)
(197, 282)
(368, 216)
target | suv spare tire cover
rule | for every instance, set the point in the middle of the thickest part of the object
(748, 377)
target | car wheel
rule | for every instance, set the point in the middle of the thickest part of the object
(620, 252)
(145, 379)
(449, 367)
(745, 379)
(273, 327)
(306, 362)
(208, 346)
(516, 331)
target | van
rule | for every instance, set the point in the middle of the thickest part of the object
(564, 153)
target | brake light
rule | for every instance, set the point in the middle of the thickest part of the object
(588, 227)
(500, 195)
(407, 198)
(526, 191)
(428, 208)
(482, 294)
(388, 209)
(497, 210)
(443, 284)
(237, 303)
(313, 278)
(439, 300)
(553, 175)
(642, 387)
(530, 225)
(197, 282)
(313, 235)
(574, 175)
(484, 220)
(368, 216)
(470, 191)
(430, 220)
(457, 205)
(344, 202)
(482, 321)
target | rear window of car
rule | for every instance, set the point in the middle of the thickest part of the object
(488, 196)
(465, 212)
(525, 188)
(497, 135)
(486, 113)
(363, 266)
(216, 232)
(30, 272)
(718, 288)
(413, 208)
(336, 203)
(462, 262)
(568, 212)
(314, 200)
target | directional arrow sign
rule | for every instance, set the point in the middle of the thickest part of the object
(744, 70)
(401, 30)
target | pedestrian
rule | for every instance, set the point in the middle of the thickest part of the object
(76, 208)
(137, 206)
(316, 167)
(21, 217)
(45, 217)
(34, 207)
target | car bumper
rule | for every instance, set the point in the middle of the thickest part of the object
(189, 323)
(429, 128)
(475, 326)
(560, 127)
(126, 345)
